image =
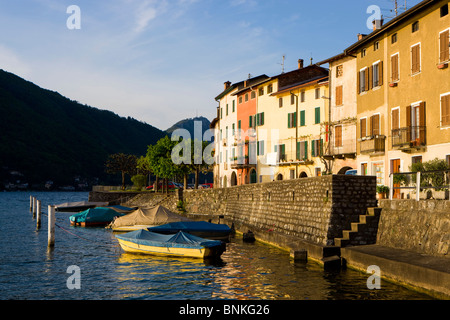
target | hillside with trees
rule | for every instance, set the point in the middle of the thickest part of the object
(47, 137)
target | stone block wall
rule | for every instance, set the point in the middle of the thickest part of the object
(314, 209)
(420, 226)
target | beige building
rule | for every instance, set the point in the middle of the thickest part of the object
(341, 153)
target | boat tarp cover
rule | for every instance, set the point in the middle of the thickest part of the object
(69, 205)
(95, 215)
(178, 240)
(122, 209)
(148, 216)
(191, 226)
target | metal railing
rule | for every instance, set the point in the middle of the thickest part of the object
(420, 185)
(414, 136)
(373, 144)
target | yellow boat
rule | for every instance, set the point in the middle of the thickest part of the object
(180, 245)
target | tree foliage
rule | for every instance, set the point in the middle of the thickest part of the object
(121, 163)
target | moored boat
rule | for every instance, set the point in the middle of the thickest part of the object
(94, 217)
(180, 244)
(78, 206)
(144, 218)
(201, 229)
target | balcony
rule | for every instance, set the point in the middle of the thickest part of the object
(373, 145)
(409, 138)
(347, 149)
(242, 163)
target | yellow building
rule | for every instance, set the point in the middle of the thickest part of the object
(403, 91)
(291, 140)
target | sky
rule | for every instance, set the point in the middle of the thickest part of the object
(161, 61)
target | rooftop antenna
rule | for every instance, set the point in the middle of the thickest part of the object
(282, 63)
(311, 59)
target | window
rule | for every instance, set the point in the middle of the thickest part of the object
(376, 46)
(339, 98)
(363, 53)
(221, 113)
(303, 96)
(363, 80)
(318, 172)
(318, 93)
(338, 136)
(317, 148)
(375, 125)
(444, 10)
(364, 169)
(240, 99)
(339, 71)
(261, 91)
(269, 88)
(253, 95)
(260, 148)
(280, 102)
(445, 110)
(444, 46)
(227, 109)
(292, 120)
(395, 116)
(415, 59)
(233, 129)
(302, 150)
(394, 38)
(416, 159)
(394, 68)
(292, 174)
(317, 115)
(363, 127)
(234, 105)
(260, 119)
(302, 118)
(281, 151)
(415, 26)
(292, 99)
(250, 121)
(246, 97)
(377, 74)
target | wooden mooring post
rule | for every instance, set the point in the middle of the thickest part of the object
(31, 203)
(34, 207)
(38, 220)
(51, 226)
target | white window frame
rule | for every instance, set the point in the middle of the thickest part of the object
(420, 58)
(398, 71)
(440, 111)
(439, 53)
(373, 74)
(364, 78)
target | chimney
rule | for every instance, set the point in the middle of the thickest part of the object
(300, 63)
(227, 85)
(377, 24)
(360, 36)
(245, 83)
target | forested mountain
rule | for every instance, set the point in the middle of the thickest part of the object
(188, 124)
(45, 136)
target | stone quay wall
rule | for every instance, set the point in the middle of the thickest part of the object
(420, 226)
(315, 210)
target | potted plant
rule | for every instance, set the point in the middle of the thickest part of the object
(382, 192)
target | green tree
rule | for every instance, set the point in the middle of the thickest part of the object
(160, 160)
(121, 163)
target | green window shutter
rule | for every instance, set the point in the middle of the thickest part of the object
(250, 118)
(302, 118)
(313, 149)
(289, 120)
(257, 148)
(321, 147)
(239, 124)
(257, 120)
(234, 105)
(298, 150)
(282, 147)
(317, 117)
(295, 120)
(306, 150)
(262, 118)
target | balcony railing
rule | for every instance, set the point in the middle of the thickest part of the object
(347, 149)
(409, 137)
(373, 144)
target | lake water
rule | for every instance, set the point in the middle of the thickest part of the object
(28, 270)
